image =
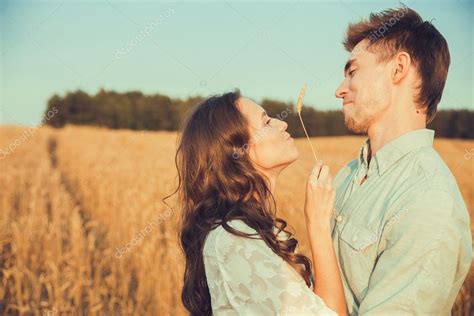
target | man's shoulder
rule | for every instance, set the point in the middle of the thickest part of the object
(436, 174)
(435, 181)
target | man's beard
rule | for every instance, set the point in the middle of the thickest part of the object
(358, 123)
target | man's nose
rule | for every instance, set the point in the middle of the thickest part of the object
(341, 91)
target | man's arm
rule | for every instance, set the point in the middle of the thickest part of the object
(418, 266)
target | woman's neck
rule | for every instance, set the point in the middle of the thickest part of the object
(272, 177)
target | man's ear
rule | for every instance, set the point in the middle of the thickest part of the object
(402, 63)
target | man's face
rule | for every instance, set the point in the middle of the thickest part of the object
(365, 90)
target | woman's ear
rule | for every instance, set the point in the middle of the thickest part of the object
(402, 65)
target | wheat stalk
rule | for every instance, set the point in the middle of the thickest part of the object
(299, 107)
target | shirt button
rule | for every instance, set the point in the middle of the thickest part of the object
(339, 218)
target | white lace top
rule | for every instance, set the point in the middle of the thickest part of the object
(245, 277)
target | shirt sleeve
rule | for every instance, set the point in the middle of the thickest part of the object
(418, 264)
(259, 282)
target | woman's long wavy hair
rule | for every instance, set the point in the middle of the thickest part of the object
(218, 183)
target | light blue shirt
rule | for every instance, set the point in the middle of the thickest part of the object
(403, 237)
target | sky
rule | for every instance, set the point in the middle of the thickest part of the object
(187, 48)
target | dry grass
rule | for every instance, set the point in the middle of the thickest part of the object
(69, 198)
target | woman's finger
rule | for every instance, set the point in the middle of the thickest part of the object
(324, 173)
(315, 172)
(329, 180)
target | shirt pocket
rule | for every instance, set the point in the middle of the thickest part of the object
(358, 237)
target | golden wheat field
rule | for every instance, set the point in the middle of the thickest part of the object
(83, 229)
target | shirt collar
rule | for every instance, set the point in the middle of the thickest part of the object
(396, 149)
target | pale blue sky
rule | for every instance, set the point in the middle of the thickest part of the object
(267, 49)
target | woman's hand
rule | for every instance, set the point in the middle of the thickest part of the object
(320, 197)
(319, 207)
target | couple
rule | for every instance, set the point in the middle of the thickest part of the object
(390, 235)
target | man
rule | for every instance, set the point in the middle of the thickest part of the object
(401, 228)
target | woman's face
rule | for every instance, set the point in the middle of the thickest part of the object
(270, 147)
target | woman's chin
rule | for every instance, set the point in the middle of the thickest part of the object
(292, 156)
(295, 153)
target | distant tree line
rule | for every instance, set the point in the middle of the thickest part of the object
(136, 111)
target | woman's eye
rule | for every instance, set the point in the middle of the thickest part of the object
(268, 122)
(351, 73)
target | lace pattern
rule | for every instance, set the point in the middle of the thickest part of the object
(245, 277)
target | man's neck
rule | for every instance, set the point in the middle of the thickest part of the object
(382, 133)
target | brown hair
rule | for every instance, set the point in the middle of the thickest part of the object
(215, 187)
(402, 29)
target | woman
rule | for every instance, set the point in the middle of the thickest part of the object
(239, 257)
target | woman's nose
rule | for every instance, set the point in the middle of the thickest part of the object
(283, 125)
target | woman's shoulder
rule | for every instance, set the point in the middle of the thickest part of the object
(237, 224)
(219, 239)
(222, 241)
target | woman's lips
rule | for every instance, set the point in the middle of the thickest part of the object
(346, 103)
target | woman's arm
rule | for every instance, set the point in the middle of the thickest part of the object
(319, 205)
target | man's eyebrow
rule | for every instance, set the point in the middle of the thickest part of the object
(348, 65)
